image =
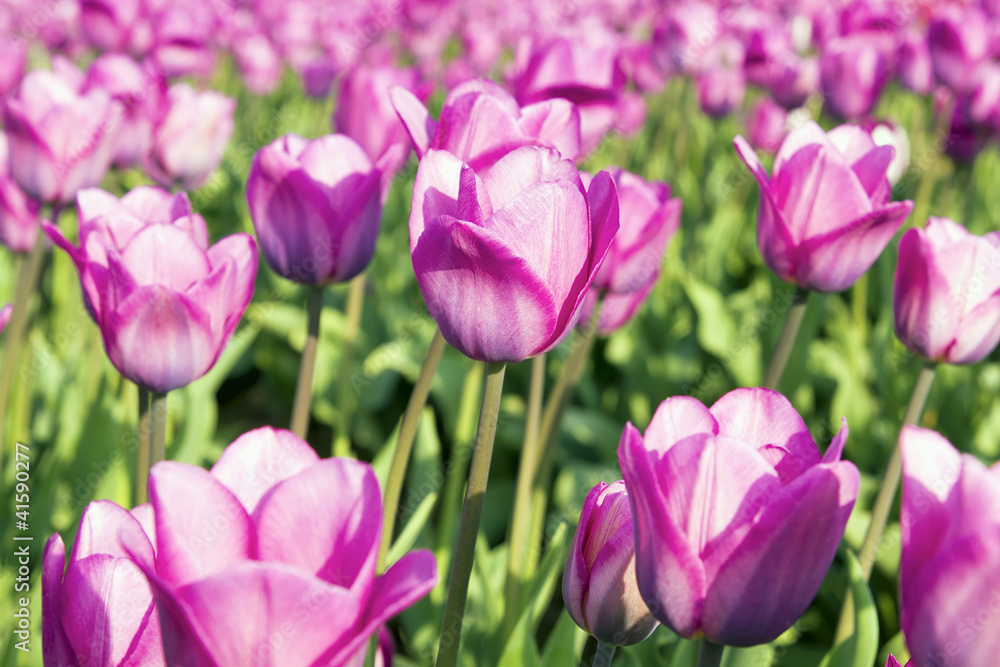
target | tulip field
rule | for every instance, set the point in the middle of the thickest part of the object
(563, 332)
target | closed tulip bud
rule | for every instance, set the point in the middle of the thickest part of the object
(737, 517)
(949, 570)
(100, 611)
(165, 301)
(316, 206)
(481, 122)
(793, 79)
(959, 43)
(825, 215)
(853, 71)
(599, 586)
(60, 139)
(505, 260)
(18, 212)
(946, 292)
(191, 138)
(720, 90)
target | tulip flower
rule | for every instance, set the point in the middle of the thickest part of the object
(648, 219)
(5, 313)
(792, 79)
(721, 82)
(892, 662)
(139, 94)
(60, 139)
(914, 67)
(18, 213)
(767, 125)
(316, 207)
(259, 61)
(100, 611)
(271, 557)
(190, 139)
(109, 25)
(481, 122)
(12, 65)
(949, 571)
(182, 36)
(166, 302)
(959, 40)
(504, 261)
(599, 586)
(946, 292)
(853, 71)
(825, 214)
(889, 133)
(737, 517)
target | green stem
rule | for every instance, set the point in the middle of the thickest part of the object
(886, 496)
(710, 654)
(407, 432)
(859, 306)
(27, 284)
(786, 341)
(303, 388)
(552, 418)
(144, 451)
(530, 458)
(605, 654)
(468, 530)
(352, 326)
(158, 427)
(372, 652)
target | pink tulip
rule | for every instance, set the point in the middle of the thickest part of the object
(191, 138)
(12, 65)
(166, 302)
(18, 213)
(737, 517)
(767, 125)
(5, 313)
(183, 31)
(481, 122)
(946, 292)
(949, 571)
(139, 93)
(259, 61)
(599, 586)
(959, 43)
(914, 66)
(793, 79)
(504, 258)
(316, 206)
(825, 214)
(108, 25)
(649, 218)
(365, 112)
(100, 612)
(270, 558)
(853, 71)
(60, 139)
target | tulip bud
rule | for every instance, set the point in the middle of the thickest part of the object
(767, 125)
(946, 292)
(316, 207)
(853, 71)
(18, 212)
(959, 44)
(259, 61)
(914, 66)
(825, 215)
(599, 586)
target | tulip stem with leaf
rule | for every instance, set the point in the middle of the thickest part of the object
(604, 655)
(786, 340)
(404, 447)
(303, 388)
(143, 454)
(530, 458)
(352, 314)
(710, 654)
(472, 509)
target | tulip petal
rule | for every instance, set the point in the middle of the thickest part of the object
(774, 239)
(257, 460)
(616, 309)
(226, 292)
(871, 171)
(337, 502)
(770, 580)
(669, 572)
(108, 613)
(767, 421)
(675, 419)
(165, 255)
(201, 527)
(808, 134)
(555, 121)
(144, 515)
(480, 126)
(926, 316)
(577, 576)
(152, 204)
(103, 529)
(489, 303)
(351, 159)
(836, 448)
(435, 191)
(516, 171)
(640, 265)
(979, 333)
(414, 115)
(838, 259)
(56, 649)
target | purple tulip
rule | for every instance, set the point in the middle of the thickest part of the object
(12, 65)
(599, 586)
(166, 302)
(365, 112)
(959, 43)
(949, 571)
(139, 93)
(913, 62)
(946, 292)
(100, 611)
(190, 139)
(259, 61)
(825, 214)
(183, 33)
(270, 558)
(5, 313)
(720, 80)
(109, 25)
(853, 71)
(18, 212)
(316, 206)
(504, 258)
(61, 140)
(793, 79)
(737, 517)
(767, 125)
(890, 133)
(481, 122)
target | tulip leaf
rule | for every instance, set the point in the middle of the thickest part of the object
(754, 656)
(861, 647)
(417, 522)
(565, 643)
(685, 653)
